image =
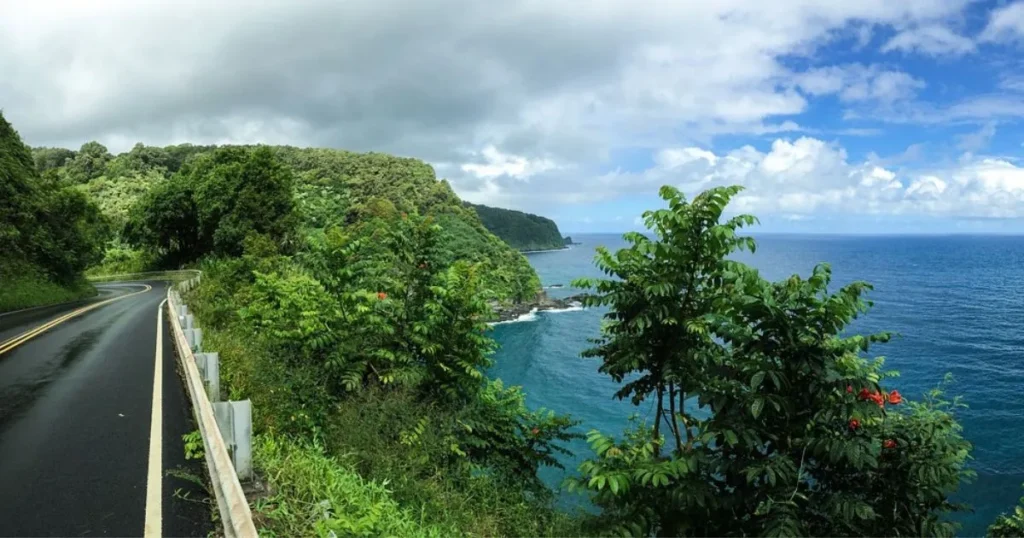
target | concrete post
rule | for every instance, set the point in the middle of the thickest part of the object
(234, 420)
(190, 322)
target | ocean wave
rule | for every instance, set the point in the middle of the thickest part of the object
(574, 308)
(529, 316)
(532, 314)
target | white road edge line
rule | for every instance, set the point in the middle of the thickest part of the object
(154, 482)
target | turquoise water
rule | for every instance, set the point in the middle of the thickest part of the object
(957, 302)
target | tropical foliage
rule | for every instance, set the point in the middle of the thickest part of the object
(49, 232)
(769, 419)
(348, 295)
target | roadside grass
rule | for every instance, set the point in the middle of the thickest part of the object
(28, 289)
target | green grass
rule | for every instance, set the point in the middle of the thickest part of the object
(314, 494)
(26, 289)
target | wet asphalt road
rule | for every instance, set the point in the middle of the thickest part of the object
(75, 408)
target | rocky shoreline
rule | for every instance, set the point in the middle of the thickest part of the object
(542, 302)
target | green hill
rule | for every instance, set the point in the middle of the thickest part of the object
(49, 233)
(332, 188)
(522, 231)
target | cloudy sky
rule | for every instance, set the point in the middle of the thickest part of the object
(865, 116)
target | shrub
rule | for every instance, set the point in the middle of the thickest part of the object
(315, 494)
(774, 421)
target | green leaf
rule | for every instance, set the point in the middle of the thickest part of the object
(756, 407)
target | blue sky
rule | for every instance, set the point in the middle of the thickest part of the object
(873, 116)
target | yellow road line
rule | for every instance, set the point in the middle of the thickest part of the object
(16, 341)
(153, 527)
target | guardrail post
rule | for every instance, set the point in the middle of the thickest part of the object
(234, 419)
(209, 367)
(195, 338)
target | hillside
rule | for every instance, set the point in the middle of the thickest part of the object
(332, 188)
(522, 231)
(48, 233)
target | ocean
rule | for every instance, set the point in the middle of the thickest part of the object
(956, 302)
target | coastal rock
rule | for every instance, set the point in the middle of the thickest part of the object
(542, 302)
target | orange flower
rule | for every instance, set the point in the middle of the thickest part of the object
(854, 424)
(381, 295)
(535, 431)
(878, 399)
(876, 396)
(889, 443)
(895, 398)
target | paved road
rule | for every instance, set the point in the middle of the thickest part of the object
(76, 403)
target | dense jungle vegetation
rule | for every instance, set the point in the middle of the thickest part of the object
(348, 296)
(522, 231)
(49, 232)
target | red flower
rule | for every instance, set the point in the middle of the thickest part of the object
(876, 397)
(895, 398)
(854, 424)
(849, 389)
(381, 295)
(889, 443)
(535, 431)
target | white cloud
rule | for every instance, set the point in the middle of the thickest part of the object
(932, 39)
(521, 106)
(498, 164)
(1005, 24)
(859, 83)
(808, 177)
(977, 140)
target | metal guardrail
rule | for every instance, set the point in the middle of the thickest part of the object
(231, 502)
(173, 275)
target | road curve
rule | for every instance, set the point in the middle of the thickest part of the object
(76, 403)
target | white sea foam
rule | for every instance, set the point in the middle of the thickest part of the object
(573, 308)
(529, 316)
(532, 314)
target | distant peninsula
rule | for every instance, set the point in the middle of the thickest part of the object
(522, 231)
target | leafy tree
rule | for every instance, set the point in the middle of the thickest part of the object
(768, 419)
(90, 162)
(43, 224)
(214, 203)
(117, 195)
(70, 235)
(141, 159)
(166, 222)
(51, 158)
(1009, 525)
(18, 193)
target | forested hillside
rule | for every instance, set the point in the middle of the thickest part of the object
(330, 188)
(49, 232)
(348, 295)
(523, 231)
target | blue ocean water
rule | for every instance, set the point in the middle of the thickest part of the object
(956, 301)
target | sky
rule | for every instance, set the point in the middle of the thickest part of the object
(866, 116)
